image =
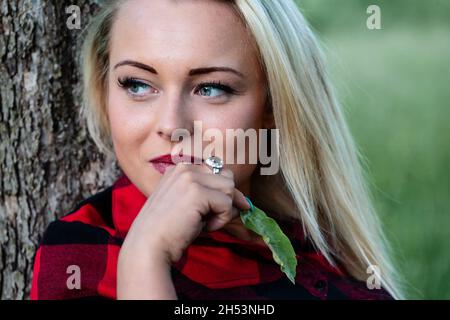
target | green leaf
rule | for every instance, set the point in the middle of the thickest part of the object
(283, 253)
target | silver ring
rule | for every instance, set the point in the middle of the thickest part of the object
(215, 163)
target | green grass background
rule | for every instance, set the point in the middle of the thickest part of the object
(395, 86)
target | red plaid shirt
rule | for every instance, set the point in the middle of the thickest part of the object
(215, 266)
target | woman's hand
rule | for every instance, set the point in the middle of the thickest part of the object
(188, 199)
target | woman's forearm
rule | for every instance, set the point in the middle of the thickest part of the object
(142, 276)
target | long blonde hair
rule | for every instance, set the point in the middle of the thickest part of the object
(320, 182)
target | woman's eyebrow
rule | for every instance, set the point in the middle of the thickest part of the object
(192, 72)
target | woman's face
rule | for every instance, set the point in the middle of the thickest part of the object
(158, 82)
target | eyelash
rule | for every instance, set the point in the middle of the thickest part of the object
(127, 82)
(218, 85)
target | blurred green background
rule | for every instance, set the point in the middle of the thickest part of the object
(395, 86)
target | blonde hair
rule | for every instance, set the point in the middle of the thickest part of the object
(320, 182)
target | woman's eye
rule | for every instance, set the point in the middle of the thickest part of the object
(135, 87)
(214, 89)
(210, 91)
(139, 89)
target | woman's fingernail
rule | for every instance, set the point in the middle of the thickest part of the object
(249, 203)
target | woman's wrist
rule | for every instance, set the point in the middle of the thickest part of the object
(143, 272)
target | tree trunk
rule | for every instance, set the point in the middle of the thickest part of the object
(47, 161)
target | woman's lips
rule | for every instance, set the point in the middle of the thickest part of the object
(161, 166)
(161, 163)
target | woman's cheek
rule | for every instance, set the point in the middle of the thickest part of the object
(129, 122)
(120, 124)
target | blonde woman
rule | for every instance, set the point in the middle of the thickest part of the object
(167, 229)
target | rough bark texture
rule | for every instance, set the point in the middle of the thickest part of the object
(47, 161)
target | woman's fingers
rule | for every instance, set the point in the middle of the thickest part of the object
(219, 221)
(224, 182)
(240, 201)
(217, 207)
(223, 201)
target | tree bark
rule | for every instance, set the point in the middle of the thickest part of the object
(47, 161)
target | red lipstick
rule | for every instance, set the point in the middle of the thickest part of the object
(161, 163)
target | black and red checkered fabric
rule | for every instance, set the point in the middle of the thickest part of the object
(215, 266)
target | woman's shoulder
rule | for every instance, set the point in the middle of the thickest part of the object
(79, 242)
(95, 210)
(351, 288)
(90, 222)
(333, 282)
(88, 218)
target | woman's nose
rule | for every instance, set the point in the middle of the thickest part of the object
(172, 115)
